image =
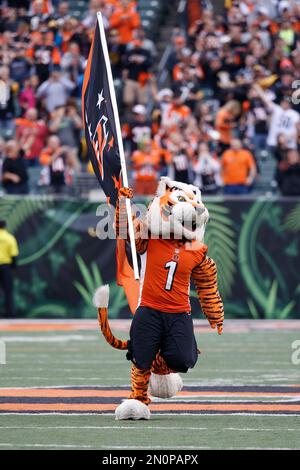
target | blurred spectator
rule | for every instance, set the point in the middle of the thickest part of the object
(138, 130)
(163, 103)
(56, 90)
(66, 123)
(43, 53)
(284, 119)
(39, 12)
(7, 106)
(181, 154)
(125, 19)
(62, 12)
(147, 43)
(257, 121)
(90, 18)
(59, 164)
(179, 44)
(288, 174)
(188, 87)
(238, 169)
(136, 74)
(146, 165)
(19, 66)
(73, 64)
(178, 113)
(14, 172)
(31, 135)
(207, 171)
(116, 53)
(27, 95)
(226, 122)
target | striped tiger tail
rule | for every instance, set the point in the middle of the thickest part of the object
(100, 300)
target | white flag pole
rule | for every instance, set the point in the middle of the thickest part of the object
(120, 142)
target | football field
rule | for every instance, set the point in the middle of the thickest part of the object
(61, 383)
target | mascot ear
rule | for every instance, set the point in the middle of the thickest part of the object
(163, 184)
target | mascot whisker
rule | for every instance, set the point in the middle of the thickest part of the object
(170, 242)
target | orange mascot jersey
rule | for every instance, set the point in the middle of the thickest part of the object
(165, 274)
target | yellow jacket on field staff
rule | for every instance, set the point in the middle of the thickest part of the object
(8, 247)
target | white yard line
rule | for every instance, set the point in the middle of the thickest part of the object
(160, 428)
(75, 446)
(47, 339)
(262, 429)
(165, 428)
(3, 444)
(232, 400)
(69, 387)
(261, 448)
(96, 384)
(67, 446)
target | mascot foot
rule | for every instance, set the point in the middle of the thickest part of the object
(132, 409)
(165, 386)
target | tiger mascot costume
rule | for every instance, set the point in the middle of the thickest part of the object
(162, 341)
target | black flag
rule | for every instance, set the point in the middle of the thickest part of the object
(99, 120)
(103, 138)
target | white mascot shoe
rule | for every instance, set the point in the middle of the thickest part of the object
(132, 409)
(165, 386)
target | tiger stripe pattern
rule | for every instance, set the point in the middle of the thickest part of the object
(139, 385)
(106, 331)
(205, 280)
(159, 366)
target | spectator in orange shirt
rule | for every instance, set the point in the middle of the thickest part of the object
(238, 169)
(126, 20)
(146, 165)
(31, 134)
(225, 122)
(178, 113)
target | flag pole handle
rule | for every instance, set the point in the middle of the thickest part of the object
(120, 143)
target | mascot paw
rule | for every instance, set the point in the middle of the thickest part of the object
(165, 386)
(132, 409)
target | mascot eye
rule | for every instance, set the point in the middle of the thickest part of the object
(181, 199)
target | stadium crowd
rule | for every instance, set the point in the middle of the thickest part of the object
(231, 99)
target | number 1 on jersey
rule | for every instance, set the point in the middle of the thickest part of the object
(171, 266)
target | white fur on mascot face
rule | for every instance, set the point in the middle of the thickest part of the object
(177, 212)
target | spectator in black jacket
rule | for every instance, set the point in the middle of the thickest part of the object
(20, 66)
(288, 174)
(136, 74)
(14, 172)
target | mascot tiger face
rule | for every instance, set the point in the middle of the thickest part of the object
(177, 212)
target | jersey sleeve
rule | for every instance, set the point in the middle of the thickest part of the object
(205, 279)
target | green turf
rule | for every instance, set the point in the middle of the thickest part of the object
(258, 357)
(83, 358)
(181, 432)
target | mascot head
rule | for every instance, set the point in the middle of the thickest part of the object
(177, 212)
